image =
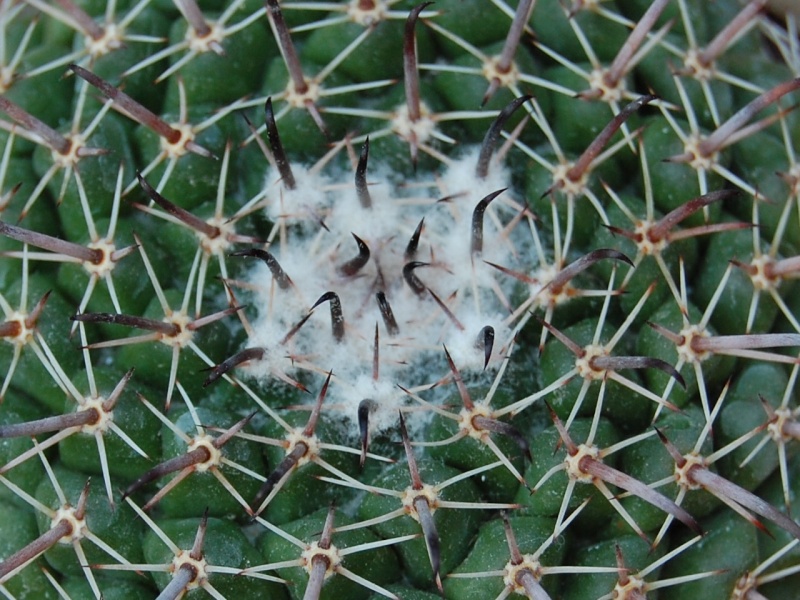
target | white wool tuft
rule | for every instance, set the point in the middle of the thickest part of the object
(312, 255)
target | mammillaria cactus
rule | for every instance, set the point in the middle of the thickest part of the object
(373, 299)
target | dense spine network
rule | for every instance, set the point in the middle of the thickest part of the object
(499, 300)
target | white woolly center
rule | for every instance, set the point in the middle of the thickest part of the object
(312, 240)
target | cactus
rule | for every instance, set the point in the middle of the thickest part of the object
(373, 299)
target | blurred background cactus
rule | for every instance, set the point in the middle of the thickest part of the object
(369, 299)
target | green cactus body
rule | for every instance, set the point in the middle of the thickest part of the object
(366, 299)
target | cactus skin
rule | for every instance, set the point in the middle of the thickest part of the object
(385, 300)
